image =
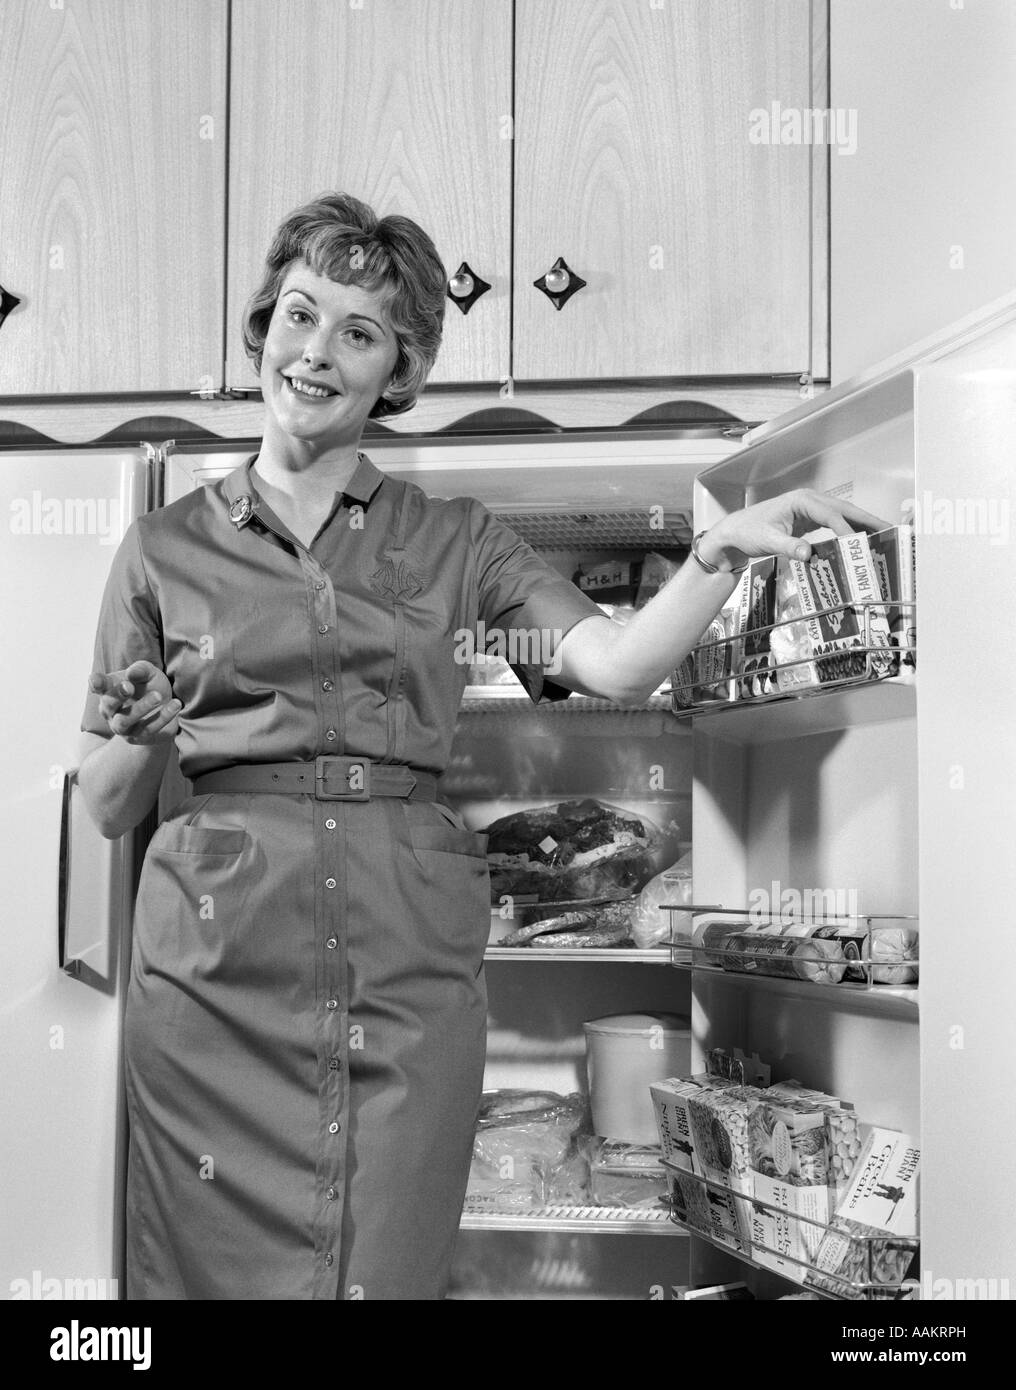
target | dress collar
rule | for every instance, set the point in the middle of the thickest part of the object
(241, 492)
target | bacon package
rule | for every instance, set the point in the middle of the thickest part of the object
(573, 851)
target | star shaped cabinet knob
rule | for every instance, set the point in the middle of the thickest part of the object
(559, 283)
(465, 287)
(8, 302)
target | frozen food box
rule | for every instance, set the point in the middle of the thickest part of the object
(842, 1128)
(752, 611)
(880, 1200)
(704, 674)
(841, 572)
(893, 553)
(670, 1105)
(787, 1139)
(710, 1211)
(788, 1224)
(719, 1127)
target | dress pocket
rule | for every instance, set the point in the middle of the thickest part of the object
(199, 839)
(439, 828)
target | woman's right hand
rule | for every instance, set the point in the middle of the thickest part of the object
(137, 703)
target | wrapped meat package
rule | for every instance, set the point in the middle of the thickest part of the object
(575, 850)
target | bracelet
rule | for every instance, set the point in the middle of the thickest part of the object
(712, 569)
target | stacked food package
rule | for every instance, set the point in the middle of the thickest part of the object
(846, 614)
(790, 1177)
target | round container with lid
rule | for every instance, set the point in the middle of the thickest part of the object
(624, 1054)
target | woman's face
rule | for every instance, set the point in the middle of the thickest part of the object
(334, 337)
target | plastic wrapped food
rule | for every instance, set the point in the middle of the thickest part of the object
(893, 948)
(596, 926)
(650, 923)
(800, 955)
(625, 1175)
(575, 849)
(524, 1151)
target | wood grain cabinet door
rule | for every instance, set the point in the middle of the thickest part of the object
(635, 162)
(406, 104)
(112, 173)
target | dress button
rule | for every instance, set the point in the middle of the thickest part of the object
(331, 1003)
(333, 1128)
(330, 734)
(329, 883)
(320, 584)
(327, 685)
(331, 1194)
(329, 825)
(322, 628)
(333, 1063)
(329, 1259)
(331, 943)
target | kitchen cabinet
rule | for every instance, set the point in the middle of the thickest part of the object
(159, 146)
(405, 105)
(634, 164)
(112, 165)
(631, 159)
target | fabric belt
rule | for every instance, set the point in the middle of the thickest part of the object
(326, 778)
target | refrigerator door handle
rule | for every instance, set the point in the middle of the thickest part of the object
(73, 963)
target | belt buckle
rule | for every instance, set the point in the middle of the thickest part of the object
(354, 768)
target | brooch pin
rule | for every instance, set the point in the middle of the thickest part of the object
(242, 510)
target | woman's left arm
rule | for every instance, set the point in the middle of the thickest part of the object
(627, 663)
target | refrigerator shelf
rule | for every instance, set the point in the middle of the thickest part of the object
(617, 955)
(508, 699)
(656, 1221)
(738, 965)
(865, 1248)
(745, 693)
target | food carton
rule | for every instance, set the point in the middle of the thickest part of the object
(893, 555)
(840, 572)
(670, 1104)
(719, 1127)
(881, 1199)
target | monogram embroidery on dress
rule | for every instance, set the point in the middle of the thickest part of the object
(395, 581)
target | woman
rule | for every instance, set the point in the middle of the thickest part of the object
(305, 1021)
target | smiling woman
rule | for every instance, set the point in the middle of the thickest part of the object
(391, 262)
(305, 1023)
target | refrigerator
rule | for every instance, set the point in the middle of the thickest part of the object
(902, 793)
(68, 892)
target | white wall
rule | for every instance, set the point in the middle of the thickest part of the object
(933, 83)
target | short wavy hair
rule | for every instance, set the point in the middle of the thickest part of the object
(342, 238)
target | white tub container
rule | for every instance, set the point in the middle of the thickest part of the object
(624, 1054)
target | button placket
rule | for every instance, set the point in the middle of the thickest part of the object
(329, 933)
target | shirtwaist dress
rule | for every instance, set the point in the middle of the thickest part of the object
(306, 1014)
